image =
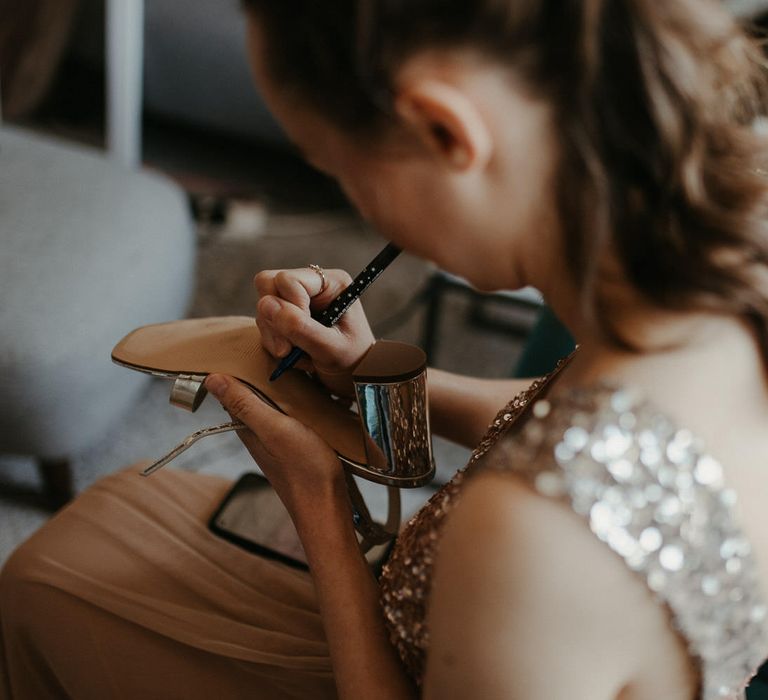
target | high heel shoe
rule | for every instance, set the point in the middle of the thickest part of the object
(388, 441)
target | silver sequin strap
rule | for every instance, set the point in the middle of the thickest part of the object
(650, 492)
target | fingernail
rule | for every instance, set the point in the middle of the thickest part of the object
(269, 307)
(216, 384)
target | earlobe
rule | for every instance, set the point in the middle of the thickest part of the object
(447, 121)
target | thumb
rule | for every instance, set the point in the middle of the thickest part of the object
(240, 402)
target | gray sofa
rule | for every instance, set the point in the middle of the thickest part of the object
(88, 251)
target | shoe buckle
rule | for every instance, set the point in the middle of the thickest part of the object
(188, 391)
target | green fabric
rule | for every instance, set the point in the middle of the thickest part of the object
(758, 690)
(549, 342)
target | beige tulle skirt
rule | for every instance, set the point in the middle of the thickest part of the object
(126, 594)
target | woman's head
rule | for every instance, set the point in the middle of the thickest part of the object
(632, 120)
(432, 166)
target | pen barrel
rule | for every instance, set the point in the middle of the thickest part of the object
(349, 296)
(339, 306)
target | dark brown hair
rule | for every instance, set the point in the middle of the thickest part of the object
(654, 103)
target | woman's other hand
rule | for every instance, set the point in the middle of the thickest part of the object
(286, 300)
(302, 468)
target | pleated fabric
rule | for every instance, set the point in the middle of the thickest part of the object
(126, 594)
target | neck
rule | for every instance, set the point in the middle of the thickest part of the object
(662, 337)
(695, 355)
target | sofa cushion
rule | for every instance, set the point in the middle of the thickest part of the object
(89, 250)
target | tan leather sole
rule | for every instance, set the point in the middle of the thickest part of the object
(232, 345)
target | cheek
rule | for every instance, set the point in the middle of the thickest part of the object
(401, 205)
(418, 209)
(377, 201)
(362, 194)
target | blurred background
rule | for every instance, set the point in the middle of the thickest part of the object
(143, 180)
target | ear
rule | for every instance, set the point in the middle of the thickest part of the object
(447, 122)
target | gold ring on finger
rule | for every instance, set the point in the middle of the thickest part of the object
(319, 270)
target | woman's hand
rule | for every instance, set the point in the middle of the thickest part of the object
(307, 475)
(287, 298)
(302, 468)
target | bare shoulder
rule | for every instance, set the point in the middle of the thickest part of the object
(521, 588)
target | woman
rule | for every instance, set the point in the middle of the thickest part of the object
(600, 151)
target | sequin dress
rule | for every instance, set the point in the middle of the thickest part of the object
(643, 486)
